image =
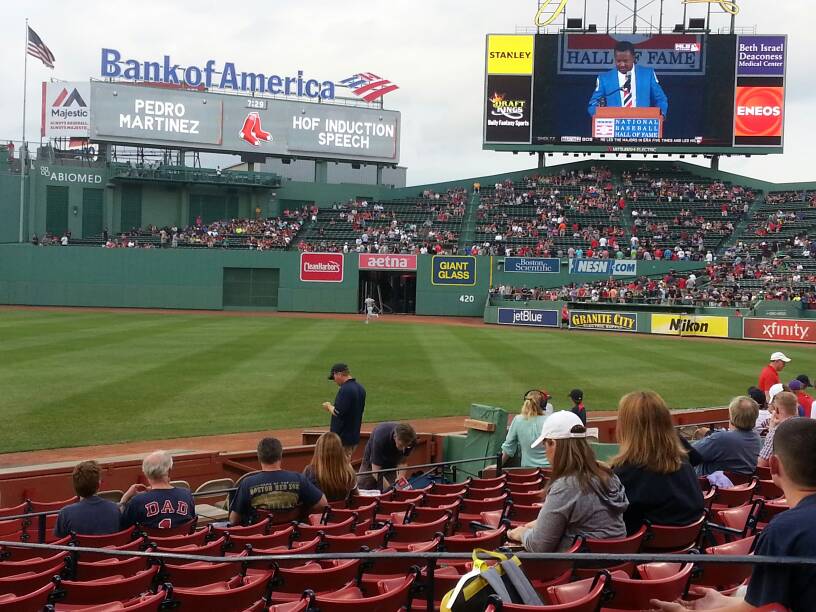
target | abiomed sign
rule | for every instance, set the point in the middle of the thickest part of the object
(682, 325)
(608, 321)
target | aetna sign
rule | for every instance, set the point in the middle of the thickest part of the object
(321, 267)
(780, 330)
(374, 261)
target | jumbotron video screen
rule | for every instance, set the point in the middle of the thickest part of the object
(687, 91)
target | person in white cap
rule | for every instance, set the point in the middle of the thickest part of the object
(770, 373)
(583, 498)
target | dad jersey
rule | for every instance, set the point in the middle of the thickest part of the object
(160, 508)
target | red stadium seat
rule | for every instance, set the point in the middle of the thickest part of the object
(261, 527)
(722, 577)
(433, 500)
(543, 574)
(529, 498)
(743, 519)
(308, 532)
(10, 553)
(389, 595)
(417, 532)
(626, 545)
(239, 593)
(455, 488)
(34, 601)
(372, 539)
(580, 596)
(38, 506)
(280, 517)
(12, 526)
(148, 602)
(521, 475)
(488, 540)
(739, 479)
(298, 548)
(197, 538)
(486, 483)
(33, 565)
(103, 541)
(673, 538)
(361, 513)
(114, 566)
(471, 509)
(318, 576)
(99, 556)
(210, 549)
(114, 588)
(734, 496)
(14, 510)
(386, 508)
(486, 493)
(768, 489)
(666, 581)
(407, 494)
(200, 573)
(22, 584)
(280, 537)
(424, 514)
(381, 569)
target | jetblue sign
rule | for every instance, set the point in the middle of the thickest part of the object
(537, 265)
(603, 267)
(528, 316)
(212, 74)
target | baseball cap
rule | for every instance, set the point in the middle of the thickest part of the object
(803, 378)
(576, 395)
(337, 367)
(558, 426)
(796, 385)
(777, 356)
(777, 388)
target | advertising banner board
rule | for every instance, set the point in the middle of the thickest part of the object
(690, 325)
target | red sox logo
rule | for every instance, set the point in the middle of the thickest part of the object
(252, 132)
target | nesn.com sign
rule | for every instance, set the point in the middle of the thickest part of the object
(528, 316)
(603, 267)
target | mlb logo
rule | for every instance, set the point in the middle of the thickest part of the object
(604, 128)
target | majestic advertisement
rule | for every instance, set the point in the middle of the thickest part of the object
(603, 267)
(535, 265)
(453, 270)
(130, 114)
(530, 317)
(321, 267)
(65, 110)
(374, 261)
(690, 325)
(780, 330)
(637, 93)
(607, 321)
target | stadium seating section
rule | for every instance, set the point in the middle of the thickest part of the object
(414, 521)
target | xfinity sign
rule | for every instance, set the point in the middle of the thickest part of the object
(603, 267)
(212, 74)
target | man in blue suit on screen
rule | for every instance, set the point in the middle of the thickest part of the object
(628, 84)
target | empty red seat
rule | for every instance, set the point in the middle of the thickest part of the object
(21, 508)
(488, 540)
(389, 595)
(742, 519)
(625, 545)
(521, 474)
(422, 514)
(239, 593)
(199, 573)
(183, 529)
(114, 588)
(34, 565)
(455, 488)
(387, 508)
(471, 509)
(148, 602)
(486, 483)
(665, 581)
(38, 506)
(103, 541)
(486, 493)
(23, 584)
(720, 576)
(381, 568)
(318, 576)
(417, 532)
(298, 548)
(114, 566)
(34, 601)
(579, 596)
(261, 527)
(432, 500)
(529, 498)
(308, 532)
(11, 553)
(673, 538)
(371, 540)
(768, 489)
(403, 494)
(99, 556)
(197, 538)
(279, 537)
(360, 513)
(733, 496)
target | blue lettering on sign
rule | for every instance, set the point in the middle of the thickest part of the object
(538, 265)
(113, 67)
(528, 316)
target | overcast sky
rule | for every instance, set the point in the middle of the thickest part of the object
(433, 49)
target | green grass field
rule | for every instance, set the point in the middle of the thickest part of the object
(80, 378)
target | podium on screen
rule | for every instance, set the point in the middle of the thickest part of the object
(621, 122)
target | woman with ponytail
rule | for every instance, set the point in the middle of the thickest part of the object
(525, 428)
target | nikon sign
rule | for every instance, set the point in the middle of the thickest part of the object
(683, 325)
(177, 118)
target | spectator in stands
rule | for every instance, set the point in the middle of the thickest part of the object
(578, 408)
(525, 428)
(659, 481)
(584, 498)
(790, 534)
(764, 414)
(91, 515)
(347, 410)
(783, 407)
(274, 489)
(805, 400)
(330, 470)
(735, 450)
(159, 505)
(770, 373)
(385, 453)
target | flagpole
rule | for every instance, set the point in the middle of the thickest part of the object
(23, 145)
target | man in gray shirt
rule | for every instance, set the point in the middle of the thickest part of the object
(735, 450)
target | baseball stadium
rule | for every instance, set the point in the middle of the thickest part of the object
(579, 384)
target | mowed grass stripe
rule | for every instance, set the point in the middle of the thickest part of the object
(206, 374)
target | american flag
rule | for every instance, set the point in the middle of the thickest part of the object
(368, 85)
(37, 48)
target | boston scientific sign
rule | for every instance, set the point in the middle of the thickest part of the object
(211, 74)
